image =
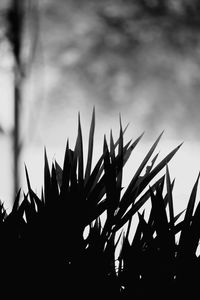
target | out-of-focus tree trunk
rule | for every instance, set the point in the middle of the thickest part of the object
(16, 131)
(16, 15)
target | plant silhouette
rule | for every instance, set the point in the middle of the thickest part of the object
(64, 243)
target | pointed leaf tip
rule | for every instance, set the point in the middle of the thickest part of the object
(90, 146)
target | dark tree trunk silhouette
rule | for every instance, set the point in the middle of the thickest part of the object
(15, 29)
(16, 132)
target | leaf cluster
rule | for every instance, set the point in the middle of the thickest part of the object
(76, 237)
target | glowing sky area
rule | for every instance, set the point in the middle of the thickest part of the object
(184, 166)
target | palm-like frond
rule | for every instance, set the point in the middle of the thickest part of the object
(44, 236)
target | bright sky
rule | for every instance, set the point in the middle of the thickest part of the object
(184, 166)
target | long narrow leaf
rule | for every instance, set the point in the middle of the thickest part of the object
(141, 167)
(185, 233)
(170, 198)
(122, 217)
(90, 148)
(47, 179)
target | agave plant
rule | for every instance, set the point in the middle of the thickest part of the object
(66, 240)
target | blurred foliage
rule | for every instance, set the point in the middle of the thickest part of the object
(121, 53)
(113, 48)
(86, 31)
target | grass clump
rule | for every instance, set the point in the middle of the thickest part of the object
(75, 238)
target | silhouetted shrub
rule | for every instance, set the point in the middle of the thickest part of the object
(74, 240)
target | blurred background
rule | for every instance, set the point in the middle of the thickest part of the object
(140, 59)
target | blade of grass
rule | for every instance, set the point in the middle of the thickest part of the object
(59, 174)
(141, 167)
(185, 233)
(161, 223)
(170, 198)
(161, 165)
(90, 148)
(16, 202)
(47, 178)
(121, 219)
(29, 186)
(126, 198)
(110, 179)
(79, 149)
(120, 162)
(54, 184)
(140, 183)
(195, 231)
(66, 173)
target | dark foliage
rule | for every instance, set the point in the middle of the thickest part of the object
(74, 240)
